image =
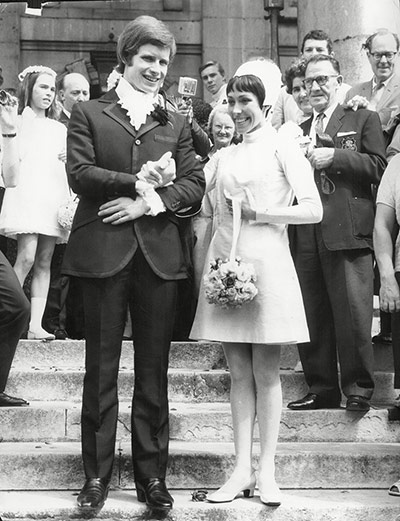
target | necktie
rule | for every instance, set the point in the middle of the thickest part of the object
(376, 95)
(327, 185)
(319, 124)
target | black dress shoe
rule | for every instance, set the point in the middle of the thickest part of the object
(382, 338)
(313, 401)
(60, 334)
(154, 493)
(94, 493)
(11, 401)
(357, 403)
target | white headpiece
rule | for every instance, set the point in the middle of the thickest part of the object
(36, 68)
(268, 72)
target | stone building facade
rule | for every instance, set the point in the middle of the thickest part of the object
(81, 35)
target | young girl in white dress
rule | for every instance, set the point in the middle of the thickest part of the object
(265, 173)
(30, 210)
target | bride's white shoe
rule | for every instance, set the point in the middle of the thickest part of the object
(270, 493)
(230, 491)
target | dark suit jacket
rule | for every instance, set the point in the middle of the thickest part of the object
(388, 105)
(359, 162)
(64, 119)
(104, 154)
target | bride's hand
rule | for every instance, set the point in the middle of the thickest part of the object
(248, 206)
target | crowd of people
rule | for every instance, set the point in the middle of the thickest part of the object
(266, 208)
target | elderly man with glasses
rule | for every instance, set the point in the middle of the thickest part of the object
(334, 258)
(382, 92)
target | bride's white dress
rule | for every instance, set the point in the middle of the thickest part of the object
(272, 167)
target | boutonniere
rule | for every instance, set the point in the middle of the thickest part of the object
(160, 114)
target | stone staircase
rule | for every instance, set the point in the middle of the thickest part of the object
(331, 464)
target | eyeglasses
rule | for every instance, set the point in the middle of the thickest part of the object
(377, 56)
(321, 80)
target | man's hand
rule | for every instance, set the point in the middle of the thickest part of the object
(159, 173)
(357, 102)
(186, 109)
(321, 158)
(389, 295)
(122, 210)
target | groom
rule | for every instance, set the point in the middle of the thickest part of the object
(125, 247)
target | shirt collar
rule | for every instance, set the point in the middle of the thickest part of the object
(328, 113)
(384, 83)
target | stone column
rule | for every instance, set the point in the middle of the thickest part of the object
(233, 31)
(349, 23)
(9, 42)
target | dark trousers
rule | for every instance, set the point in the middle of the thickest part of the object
(64, 308)
(396, 342)
(55, 314)
(337, 288)
(14, 317)
(152, 303)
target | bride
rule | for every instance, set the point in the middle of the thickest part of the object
(264, 173)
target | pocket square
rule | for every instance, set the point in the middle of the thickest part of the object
(349, 133)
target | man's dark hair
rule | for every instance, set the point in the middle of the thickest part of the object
(318, 34)
(327, 58)
(382, 32)
(209, 64)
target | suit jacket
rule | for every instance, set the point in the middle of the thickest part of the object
(64, 119)
(389, 104)
(358, 162)
(104, 154)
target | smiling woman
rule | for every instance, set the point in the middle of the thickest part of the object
(258, 179)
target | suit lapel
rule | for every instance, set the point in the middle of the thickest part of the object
(393, 83)
(335, 121)
(118, 114)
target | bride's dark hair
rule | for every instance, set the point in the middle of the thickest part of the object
(248, 83)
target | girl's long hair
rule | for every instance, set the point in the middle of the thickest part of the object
(25, 95)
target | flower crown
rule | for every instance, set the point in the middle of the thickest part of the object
(36, 68)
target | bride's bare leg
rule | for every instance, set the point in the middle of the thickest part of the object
(266, 360)
(243, 407)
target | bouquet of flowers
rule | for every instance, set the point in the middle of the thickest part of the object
(230, 283)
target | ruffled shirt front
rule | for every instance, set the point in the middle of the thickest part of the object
(137, 104)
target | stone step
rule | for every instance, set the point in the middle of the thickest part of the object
(297, 505)
(201, 422)
(185, 385)
(51, 466)
(69, 354)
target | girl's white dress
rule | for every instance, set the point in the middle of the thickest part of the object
(32, 206)
(274, 170)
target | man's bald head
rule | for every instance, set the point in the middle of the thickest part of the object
(74, 88)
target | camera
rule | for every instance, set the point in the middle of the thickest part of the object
(187, 86)
(7, 99)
